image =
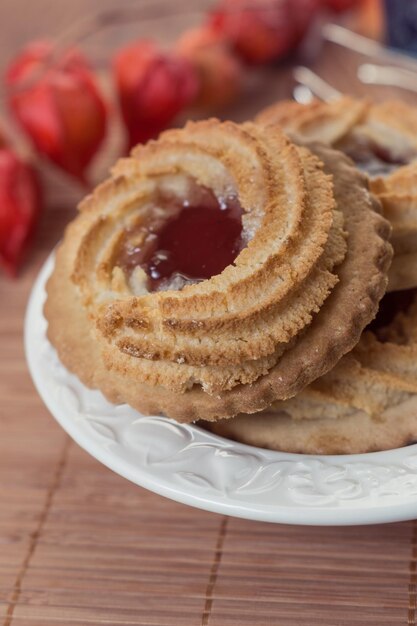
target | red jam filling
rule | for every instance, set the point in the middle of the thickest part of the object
(192, 241)
(374, 159)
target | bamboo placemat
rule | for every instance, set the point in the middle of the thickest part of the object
(80, 545)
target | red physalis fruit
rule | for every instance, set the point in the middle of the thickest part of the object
(341, 5)
(259, 31)
(20, 207)
(55, 98)
(265, 30)
(219, 69)
(153, 87)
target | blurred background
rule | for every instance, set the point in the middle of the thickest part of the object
(84, 81)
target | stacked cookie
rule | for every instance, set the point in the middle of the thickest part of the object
(367, 402)
(258, 336)
(382, 141)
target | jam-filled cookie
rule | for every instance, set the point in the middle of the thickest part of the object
(381, 138)
(219, 269)
(368, 402)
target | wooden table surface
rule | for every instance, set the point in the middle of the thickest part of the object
(81, 545)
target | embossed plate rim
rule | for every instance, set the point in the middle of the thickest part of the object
(200, 469)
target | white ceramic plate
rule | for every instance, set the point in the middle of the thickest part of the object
(185, 463)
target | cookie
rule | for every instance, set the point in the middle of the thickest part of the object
(311, 264)
(368, 402)
(381, 138)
